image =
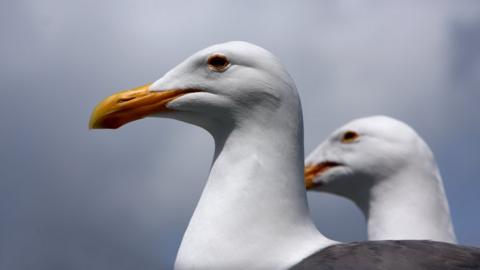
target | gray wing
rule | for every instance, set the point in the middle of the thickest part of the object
(393, 255)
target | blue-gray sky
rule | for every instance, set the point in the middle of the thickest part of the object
(71, 198)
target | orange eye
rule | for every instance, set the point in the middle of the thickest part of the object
(218, 62)
(349, 136)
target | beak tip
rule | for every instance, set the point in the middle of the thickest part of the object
(93, 124)
(104, 124)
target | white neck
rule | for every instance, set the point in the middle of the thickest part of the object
(253, 212)
(409, 205)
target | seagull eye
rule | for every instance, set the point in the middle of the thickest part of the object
(218, 62)
(349, 136)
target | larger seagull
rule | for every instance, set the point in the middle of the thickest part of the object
(253, 212)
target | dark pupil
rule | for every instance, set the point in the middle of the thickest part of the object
(349, 135)
(218, 61)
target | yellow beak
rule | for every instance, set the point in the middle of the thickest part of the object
(310, 173)
(127, 106)
(313, 170)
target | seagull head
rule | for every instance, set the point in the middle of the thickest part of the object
(361, 153)
(222, 85)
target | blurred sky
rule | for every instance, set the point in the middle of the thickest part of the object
(73, 199)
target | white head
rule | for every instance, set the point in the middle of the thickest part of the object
(363, 153)
(389, 172)
(244, 97)
(216, 88)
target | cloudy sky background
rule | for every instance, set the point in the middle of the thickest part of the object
(72, 199)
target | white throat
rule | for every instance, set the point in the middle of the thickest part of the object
(253, 212)
(409, 205)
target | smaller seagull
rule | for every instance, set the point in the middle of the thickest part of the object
(390, 173)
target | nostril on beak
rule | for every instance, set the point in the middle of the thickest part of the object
(124, 99)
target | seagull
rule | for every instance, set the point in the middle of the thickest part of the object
(390, 173)
(253, 211)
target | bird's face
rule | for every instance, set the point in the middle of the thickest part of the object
(219, 85)
(358, 154)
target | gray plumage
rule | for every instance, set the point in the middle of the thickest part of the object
(393, 255)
